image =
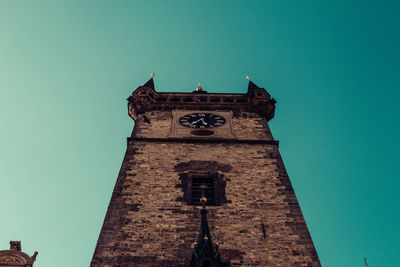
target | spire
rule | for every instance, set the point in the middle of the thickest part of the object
(252, 86)
(204, 253)
(254, 90)
(204, 235)
(150, 83)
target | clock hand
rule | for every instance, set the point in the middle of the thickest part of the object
(202, 119)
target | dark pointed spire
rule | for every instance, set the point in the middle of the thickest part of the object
(204, 235)
(150, 83)
(204, 253)
(252, 86)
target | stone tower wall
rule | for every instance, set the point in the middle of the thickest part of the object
(149, 223)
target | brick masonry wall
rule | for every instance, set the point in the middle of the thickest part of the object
(148, 223)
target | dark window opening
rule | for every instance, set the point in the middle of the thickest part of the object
(203, 186)
(206, 263)
(196, 184)
(203, 182)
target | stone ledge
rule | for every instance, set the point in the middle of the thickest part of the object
(195, 140)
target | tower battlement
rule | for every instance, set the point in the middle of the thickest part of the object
(146, 98)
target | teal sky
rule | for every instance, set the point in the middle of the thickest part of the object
(67, 67)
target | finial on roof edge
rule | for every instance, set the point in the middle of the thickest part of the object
(199, 87)
(199, 90)
(153, 74)
(248, 77)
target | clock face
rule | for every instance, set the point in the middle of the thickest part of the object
(202, 120)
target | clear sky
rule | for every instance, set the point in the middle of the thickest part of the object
(67, 67)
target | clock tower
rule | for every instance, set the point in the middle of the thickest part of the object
(188, 149)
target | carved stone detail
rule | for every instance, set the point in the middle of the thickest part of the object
(15, 257)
